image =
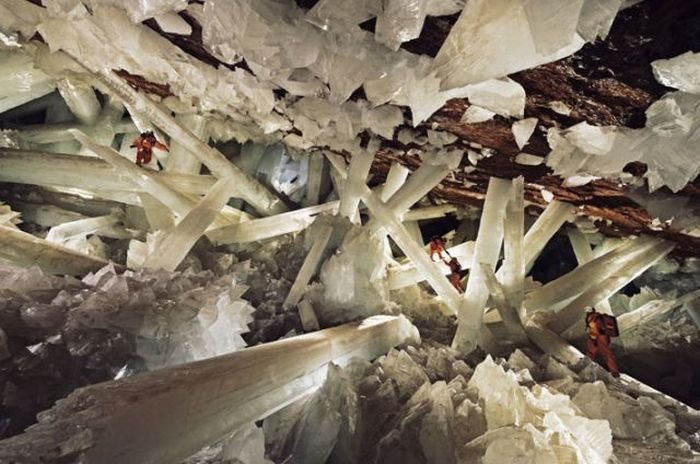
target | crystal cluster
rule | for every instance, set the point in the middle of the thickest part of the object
(679, 72)
(73, 332)
(99, 419)
(664, 145)
(532, 31)
(428, 404)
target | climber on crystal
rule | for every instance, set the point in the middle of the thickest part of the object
(600, 328)
(437, 246)
(144, 145)
(455, 276)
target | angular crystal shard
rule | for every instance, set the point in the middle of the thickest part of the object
(680, 72)
(400, 21)
(487, 28)
(552, 25)
(522, 130)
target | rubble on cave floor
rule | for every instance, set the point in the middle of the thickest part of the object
(427, 403)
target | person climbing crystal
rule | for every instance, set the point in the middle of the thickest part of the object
(600, 328)
(437, 246)
(144, 145)
(455, 274)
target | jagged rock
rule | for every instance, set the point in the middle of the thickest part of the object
(406, 375)
(640, 419)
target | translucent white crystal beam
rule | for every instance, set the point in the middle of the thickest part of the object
(407, 274)
(360, 165)
(317, 164)
(166, 415)
(413, 229)
(52, 133)
(412, 249)
(550, 342)
(486, 251)
(159, 216)
(394, 180)
(250, 189)
(429, 212)
(272, 226)
(584, 254)
(609, 244)
(27, 250)
(68, 230)
(547, 224)
(422, 181)
(608, 286)
(418, 185)
(179, 202)
(308, 267)
(513, 249)
(557, 292)
(309, 321)
(46, 215)
(80, 98)
(654, 309)
(88, 173)
(174, 245)
(103, 130)
(180, 159)
(173, 199)
(508, 313)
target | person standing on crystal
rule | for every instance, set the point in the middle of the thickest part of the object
(455, 274)
(144, 145)
(437, 245)
(600, 328)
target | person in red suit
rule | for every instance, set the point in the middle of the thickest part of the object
(455, 276)
(144, 144)
(599, 335)
(437, 246)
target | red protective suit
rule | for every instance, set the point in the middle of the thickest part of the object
(599, 342)
(144, 145)
(436, 246)
(455, 277)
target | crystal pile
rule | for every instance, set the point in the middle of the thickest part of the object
(73, 332)
(664, 145)
(268, 377)
(426, 403)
